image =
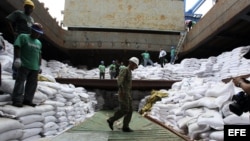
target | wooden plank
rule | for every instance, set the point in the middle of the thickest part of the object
(169, 128)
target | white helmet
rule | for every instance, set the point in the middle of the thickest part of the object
(134, 60)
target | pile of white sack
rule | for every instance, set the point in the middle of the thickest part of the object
(197, 106)
(60, 106)
(225, 65)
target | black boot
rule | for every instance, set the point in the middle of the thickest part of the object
(127, 129)
(17, 104)
(29, 103)
(110, 124)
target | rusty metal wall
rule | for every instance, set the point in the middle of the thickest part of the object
(120, 41)
(163, 15)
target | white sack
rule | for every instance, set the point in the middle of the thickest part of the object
(211, 118)
(237, 120)
(7, 124)
(33, 125)
(50, 92)
(32, 138)
(18, 112)
(11, 135)
(217, 135)
(7, 85)
(31, 132)
(30, 119)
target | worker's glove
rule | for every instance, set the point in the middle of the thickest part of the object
(17, 63)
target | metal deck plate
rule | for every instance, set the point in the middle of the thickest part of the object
(97, 129)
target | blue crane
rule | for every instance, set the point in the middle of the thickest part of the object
(190, 14)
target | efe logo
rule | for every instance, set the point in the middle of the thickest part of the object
(241, 132)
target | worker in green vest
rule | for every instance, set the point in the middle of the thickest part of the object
(124, 82)
(172, 55)
(146, 59)
(27, 48)
(112, 70)
(122, 66)
(102, 68)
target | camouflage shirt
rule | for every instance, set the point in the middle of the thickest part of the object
(124, 80)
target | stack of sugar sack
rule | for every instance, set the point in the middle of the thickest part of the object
(169, 71)
(67, 72)
(6, 75)
(62, 120)
(184, 69)
(89, 98)
(29, 117)
(149, 72)
(140, 73)
(241, 51)
(46, 74)
(83, 106)
(156, 73)
(68, 106)
(228, 60)
(57, 106)
(45, 69)
(6, 61)
(216, 68)
(94, 74)
(244, 66)
(167, 74)
(48, 88)
(8, 49)
(215, 99)
(55, 66)
(74, 109)
(62, 70)
(33, 126)
(52, 90)
(205, 70)
(177, 97)
(222, 59)
(66, 95)
(71, 72)
(7, 84)
(206, 67)
(230, 64)
(77, 106)
(5, 99)
(10, 129)
(49, 126)
(237, 67)
(39, 98)
(197, 110)
(191, 64)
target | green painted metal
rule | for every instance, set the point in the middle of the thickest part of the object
(97, 129)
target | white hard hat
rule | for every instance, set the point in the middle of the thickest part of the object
(134, 60)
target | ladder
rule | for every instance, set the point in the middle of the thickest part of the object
(180, 44)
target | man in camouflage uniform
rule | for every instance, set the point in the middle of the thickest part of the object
(124, 82)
